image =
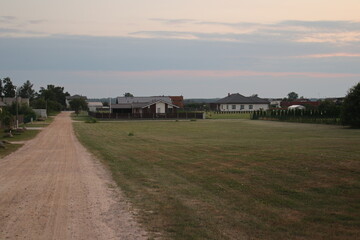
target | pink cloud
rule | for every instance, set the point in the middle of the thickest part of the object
(211, 73)
(330, 55)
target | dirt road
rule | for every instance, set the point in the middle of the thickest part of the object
(52, 188)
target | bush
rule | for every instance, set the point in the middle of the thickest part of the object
(350, 114)
(91, 120)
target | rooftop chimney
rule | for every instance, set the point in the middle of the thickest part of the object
(229, 94)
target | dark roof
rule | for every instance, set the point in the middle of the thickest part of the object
(238, 98)
(138, 105)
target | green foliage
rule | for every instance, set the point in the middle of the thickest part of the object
(1, 89)
(78, 104)
(9, 90)
(50, 105)
(54, 94)
(128, 95)
(6, 118)
(26, 90)
(292, 96)
(22, 109)
(350, 114)
(329, 107)
(91, 120)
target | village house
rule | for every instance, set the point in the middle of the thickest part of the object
(156, 104)
(95, 106)
(69, 98)
(7, 101)
(239, 103)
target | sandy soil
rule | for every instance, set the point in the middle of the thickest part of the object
(52, 188)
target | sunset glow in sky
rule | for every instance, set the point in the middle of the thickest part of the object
(196, 48)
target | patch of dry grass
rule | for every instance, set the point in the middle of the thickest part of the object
(233, 179)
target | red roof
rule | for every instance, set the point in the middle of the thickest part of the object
(178, 101)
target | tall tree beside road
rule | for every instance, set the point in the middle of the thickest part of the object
(26, 90)
(9, 89)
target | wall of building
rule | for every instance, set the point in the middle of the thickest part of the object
(160, 107)
(242, 107)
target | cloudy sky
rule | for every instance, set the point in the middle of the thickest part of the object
(194, 48)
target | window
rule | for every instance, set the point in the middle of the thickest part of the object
(242, 107)
(250, 106)
(233, 107)
(227, 106)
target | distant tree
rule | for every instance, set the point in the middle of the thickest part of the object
(22, 109)
(1, 89)
(292, 96)
(330, 107)
(55, 94)
(78, 104)
(106, 104)
(350, 114)
(9, 89)
(128, 95)
(26, 90)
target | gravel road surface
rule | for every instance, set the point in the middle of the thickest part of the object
(53, 188)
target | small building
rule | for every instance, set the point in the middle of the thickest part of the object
(95, 106)
(294, 107)
(40, 113)
(157, 104)
(7, 101)
(239, 103)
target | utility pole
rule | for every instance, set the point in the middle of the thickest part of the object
(17, 111)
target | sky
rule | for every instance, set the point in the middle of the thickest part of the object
(194, 48)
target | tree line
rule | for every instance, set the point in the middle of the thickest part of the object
(52, 98)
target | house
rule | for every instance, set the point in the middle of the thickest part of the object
(7, 101)
(156, 104)
(237, 102)
(178, 101)
(304, 102)
(95, 106)
(294, 107)
(76, 96)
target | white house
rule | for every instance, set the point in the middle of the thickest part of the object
(94, 106)
(239, 103)
(157, 104)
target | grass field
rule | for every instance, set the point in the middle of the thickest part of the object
(27, 135)
(235, 179)
(230, 115)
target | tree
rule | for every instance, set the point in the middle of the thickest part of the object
(350, 114)
(128, 95)
(1, 89)
(55, 94)
(330, 107)
(292, 96)
(9, 89)
(26, 90)
(78, 104)
(106, 104)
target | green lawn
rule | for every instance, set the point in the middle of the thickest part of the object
(27, 135)
(234, 179)
(230, 115)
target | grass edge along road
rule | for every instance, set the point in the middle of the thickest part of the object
(234, 179)
(25, 136)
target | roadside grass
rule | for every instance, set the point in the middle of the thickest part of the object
(82, 116)
(9, 149)
(235, 179)
(27, 135)
(213, 115)
(44, 123)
